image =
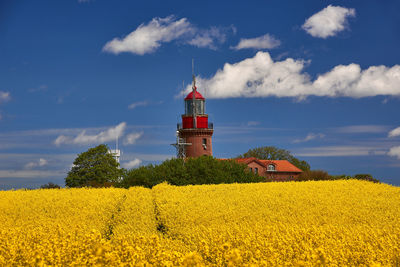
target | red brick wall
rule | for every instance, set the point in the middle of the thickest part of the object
(195, 137)
(261, 169)
(275, 176)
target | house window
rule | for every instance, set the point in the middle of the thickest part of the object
(205, 143)
(271, 167)
(251, 169)
(256, 170)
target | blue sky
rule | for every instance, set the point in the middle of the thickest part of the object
(319, 78)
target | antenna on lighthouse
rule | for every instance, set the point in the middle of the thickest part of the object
(194, 96)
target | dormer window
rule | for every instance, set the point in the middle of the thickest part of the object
(271, 167)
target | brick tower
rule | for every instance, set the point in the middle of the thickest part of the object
(194, 133)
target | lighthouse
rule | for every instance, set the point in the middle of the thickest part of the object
(195, 132)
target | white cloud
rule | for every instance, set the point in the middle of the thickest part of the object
(394, 132)
(309, 137)
(260, 76)
(83, 138)
(4, 96)
(263, 42)
(130, 139)
(253, 123)
(341, 151)
(328, 22)
(138, 104)
(147, 38)
(361, 129)
(208, 38)
(132, 164)
(30, 173)
(255, 77)
(40, 163)
(41, 88)
(148, 157)
(394, 152)
(351, 81)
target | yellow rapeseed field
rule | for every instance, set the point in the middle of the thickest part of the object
(333, 223)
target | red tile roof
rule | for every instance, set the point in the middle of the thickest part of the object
(280, 165)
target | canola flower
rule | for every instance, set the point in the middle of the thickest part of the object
(332, 223)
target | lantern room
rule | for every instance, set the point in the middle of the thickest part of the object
(199, 104)
(195, 116)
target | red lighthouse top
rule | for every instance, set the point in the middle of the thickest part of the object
(197, 95)
(195, 116)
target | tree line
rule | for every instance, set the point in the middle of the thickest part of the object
(97, 168)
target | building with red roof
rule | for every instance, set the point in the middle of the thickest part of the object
(276, 170)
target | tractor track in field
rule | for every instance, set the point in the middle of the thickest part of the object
(108, 231)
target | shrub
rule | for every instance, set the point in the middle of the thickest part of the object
(50, 185)
(201, 170)
(315, 175)
(367, 177)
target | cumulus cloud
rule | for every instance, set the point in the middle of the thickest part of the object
(394, 132)
(132, 164)
(394, 152)
(131, 138)
(82, 138)
(4, 96)
(260, 76)
(147, 38)
(208, 38)
(309, 137)
(263, 42)
(328, 22)
(138, 104)
(40, 163)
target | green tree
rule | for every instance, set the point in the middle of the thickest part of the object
(273, 153)
(94, 167)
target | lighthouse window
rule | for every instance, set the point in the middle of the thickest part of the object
(205, 143)
(199, 106)
(188, 107)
